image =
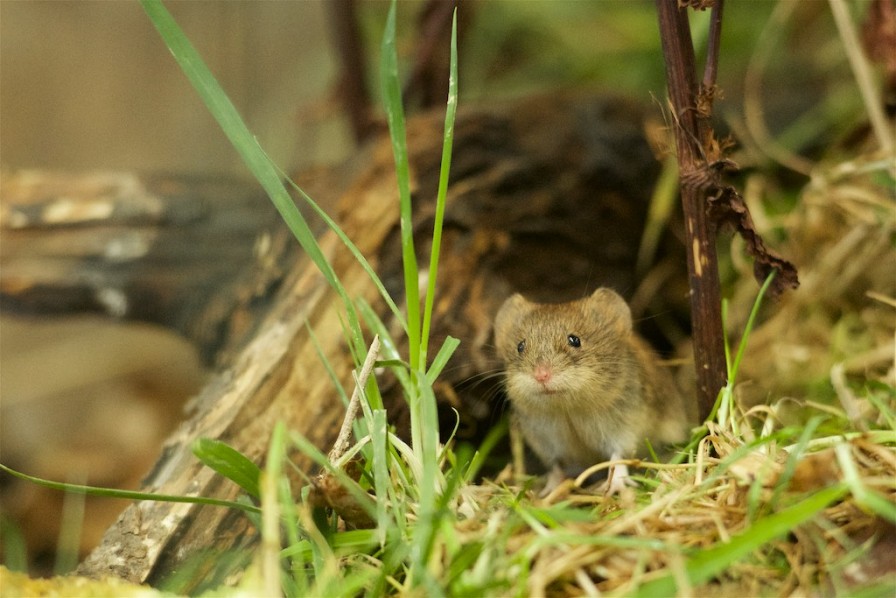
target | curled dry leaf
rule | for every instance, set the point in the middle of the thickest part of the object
(727, 208)
(328, 493)
(697, 4)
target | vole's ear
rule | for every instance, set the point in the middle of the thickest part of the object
(511, 311)
(609, 304)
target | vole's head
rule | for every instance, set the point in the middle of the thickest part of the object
(563, 349)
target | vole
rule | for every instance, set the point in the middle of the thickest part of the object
(584, 387)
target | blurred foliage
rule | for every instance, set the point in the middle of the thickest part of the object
(512, 48)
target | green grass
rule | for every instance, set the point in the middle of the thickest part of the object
(719, 513)
(127, 494)
(244, 142)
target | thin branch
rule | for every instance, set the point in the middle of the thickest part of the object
(710, 70)
(707, 203)
(354, 404)
(864, 77)
(692, 130)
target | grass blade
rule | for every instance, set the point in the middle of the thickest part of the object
(447, 143)
(230, 463)
(71, 525)
(441, 359)
(223, 110)
(270, 518)
(356, 253)
(379, 435)
(395, 116)
(129, 494)
(15, 551)
(864, 496)
(742, 346)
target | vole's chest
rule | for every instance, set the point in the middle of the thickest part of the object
(573, 437)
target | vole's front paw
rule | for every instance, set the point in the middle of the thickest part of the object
(617, 481)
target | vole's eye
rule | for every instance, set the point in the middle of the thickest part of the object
(521, 346)
(574, 341)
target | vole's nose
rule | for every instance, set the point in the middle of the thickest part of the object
(542, 373)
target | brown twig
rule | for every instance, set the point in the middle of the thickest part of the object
(708, 204)
(352, 88)
(691, 133)
(425, 74)
(708, 88)
(428, 80)
(351, 412)
(879, 43)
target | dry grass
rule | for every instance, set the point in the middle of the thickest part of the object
(840, 324)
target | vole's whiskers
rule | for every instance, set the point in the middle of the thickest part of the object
(487, 388)
(476, 380)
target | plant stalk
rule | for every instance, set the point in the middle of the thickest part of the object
(692, 132)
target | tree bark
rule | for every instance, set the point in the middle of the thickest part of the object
(199, 255)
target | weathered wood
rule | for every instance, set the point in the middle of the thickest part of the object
(547, 197)
(277, 376)
(199, 255)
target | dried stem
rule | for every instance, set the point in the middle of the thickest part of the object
(693, 134)
(864, 77)
(708, 204)
(428, 80)
(712, 49)
(352, 411)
